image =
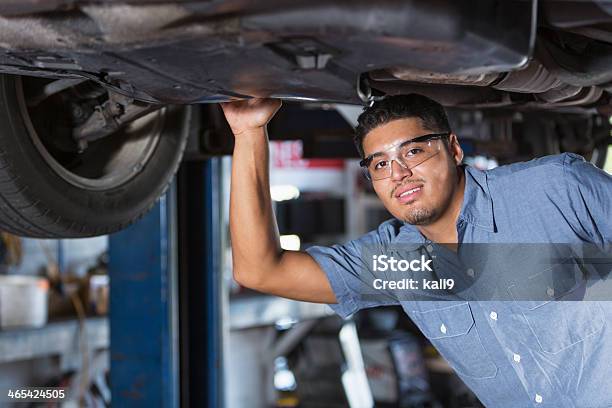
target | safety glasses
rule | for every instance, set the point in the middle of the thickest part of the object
(408, 154)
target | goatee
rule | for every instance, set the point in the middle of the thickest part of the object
(420, 216)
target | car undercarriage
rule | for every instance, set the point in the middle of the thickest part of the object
(102, 92)
(469, 53)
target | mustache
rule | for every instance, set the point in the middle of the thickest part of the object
(406, 183)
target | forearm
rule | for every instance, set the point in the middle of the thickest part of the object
(253, 229)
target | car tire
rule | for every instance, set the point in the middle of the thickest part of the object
(40, 198)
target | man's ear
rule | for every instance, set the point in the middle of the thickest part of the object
(455, 149)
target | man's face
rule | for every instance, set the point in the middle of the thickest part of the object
(435, 180)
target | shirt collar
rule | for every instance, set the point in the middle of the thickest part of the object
(476, 209)
(477, 206)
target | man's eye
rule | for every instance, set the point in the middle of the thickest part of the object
(380, 165)
(414, 151)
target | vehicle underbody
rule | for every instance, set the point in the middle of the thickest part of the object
(469, 53)
(97, 97)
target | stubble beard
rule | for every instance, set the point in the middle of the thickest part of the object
(420, 216)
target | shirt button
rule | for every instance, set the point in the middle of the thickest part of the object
(516, 358)
(429, 248)
(550, 292)
(538, 398)
(493, 315)
(470, 272)
(443, 328)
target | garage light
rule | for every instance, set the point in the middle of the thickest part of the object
(284, 192)
(290, 242)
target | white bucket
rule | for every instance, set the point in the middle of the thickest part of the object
(23, 301)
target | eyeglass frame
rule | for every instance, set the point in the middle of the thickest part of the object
(423, 138)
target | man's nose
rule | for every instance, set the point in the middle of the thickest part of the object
(399, 171)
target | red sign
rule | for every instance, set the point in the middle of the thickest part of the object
(289, 154)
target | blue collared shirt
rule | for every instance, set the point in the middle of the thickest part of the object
(511, 354)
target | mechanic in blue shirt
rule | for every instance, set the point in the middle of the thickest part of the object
(515, 352)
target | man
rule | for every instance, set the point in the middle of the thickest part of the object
(511, 354)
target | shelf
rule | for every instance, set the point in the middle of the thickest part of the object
(56, 338)
(60, 338)
(262, 310)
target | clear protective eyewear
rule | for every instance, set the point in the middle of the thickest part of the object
(408, 154)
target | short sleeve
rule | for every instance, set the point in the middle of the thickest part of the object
(590, 198)
(349, 272)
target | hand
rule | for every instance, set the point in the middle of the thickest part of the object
(250, 114)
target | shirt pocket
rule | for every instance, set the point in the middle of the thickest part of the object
(452, 331)
(556, 316)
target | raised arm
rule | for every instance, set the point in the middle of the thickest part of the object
(259, 262)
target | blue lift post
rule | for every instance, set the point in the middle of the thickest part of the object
(166, 299)
(200, 278)
(143, 312)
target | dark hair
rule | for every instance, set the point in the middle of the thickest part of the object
(431, 113)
